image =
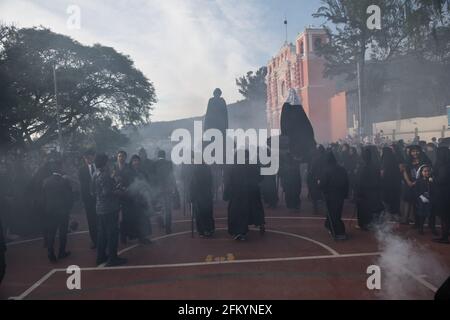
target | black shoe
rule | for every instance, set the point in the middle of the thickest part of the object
(63, 255)
(123, 239)
(93, 246)
(341, 237)
(434, 232)
(262, 230)
(116, 262)
(52, 258)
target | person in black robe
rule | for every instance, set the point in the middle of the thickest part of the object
(441, 191)
(351, 165)
(315, 169)
(166, 188)
(35, 196)
(58, 201)
(334, 185)
(217, 118)
(138, 192)
(391, 182)
(201, 197)
(243, 194)
(368, 191)
(216, 114)
(85, 176)
(296, 126)
(291, 181)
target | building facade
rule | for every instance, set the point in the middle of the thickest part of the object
(298, 66)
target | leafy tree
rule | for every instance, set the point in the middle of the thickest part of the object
(409, 27)
(253, 85)
(94, 83)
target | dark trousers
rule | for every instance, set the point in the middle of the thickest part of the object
(334, 207)
(57, 223)
(91, 215)
(108, 237)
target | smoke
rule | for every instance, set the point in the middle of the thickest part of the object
(141, 190)
(405, 265)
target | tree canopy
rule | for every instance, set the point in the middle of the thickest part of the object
(94, 83)
(253, 85)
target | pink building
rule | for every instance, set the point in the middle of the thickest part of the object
(299, 67)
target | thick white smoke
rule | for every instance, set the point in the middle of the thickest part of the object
(405, 265)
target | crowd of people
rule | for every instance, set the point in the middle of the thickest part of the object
(118, 197)
(409, 184)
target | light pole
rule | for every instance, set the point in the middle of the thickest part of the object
(58, 112)
(360, 118)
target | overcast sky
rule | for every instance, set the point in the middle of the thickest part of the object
(185, 47)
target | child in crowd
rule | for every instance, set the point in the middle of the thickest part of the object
(423, 188)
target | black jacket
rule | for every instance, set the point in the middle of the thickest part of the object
(57, 194)
(334, 182)
(84, 176)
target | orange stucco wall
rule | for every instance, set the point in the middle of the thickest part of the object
(338, 116)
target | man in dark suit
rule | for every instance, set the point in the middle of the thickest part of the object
(58, 201)
(85, 175)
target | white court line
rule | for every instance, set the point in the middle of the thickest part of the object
(195, 264)
(421, 280)
(36, 285)
(329, 249)
(176, 221)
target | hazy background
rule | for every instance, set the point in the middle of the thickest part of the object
(185, 47)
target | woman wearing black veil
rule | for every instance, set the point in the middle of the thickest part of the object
(368, 190)
(391, 182)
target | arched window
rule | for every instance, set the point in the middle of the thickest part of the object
(317, 43)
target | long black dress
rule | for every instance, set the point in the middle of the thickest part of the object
(201, 194)
(244, 198)
(368, 191)
(137, 224)
(334, 185)
(296, 125)
(391, 181)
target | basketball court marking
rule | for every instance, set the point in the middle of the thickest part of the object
(14, 243)
(102, 267)
(334, 255)
(193, 264)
